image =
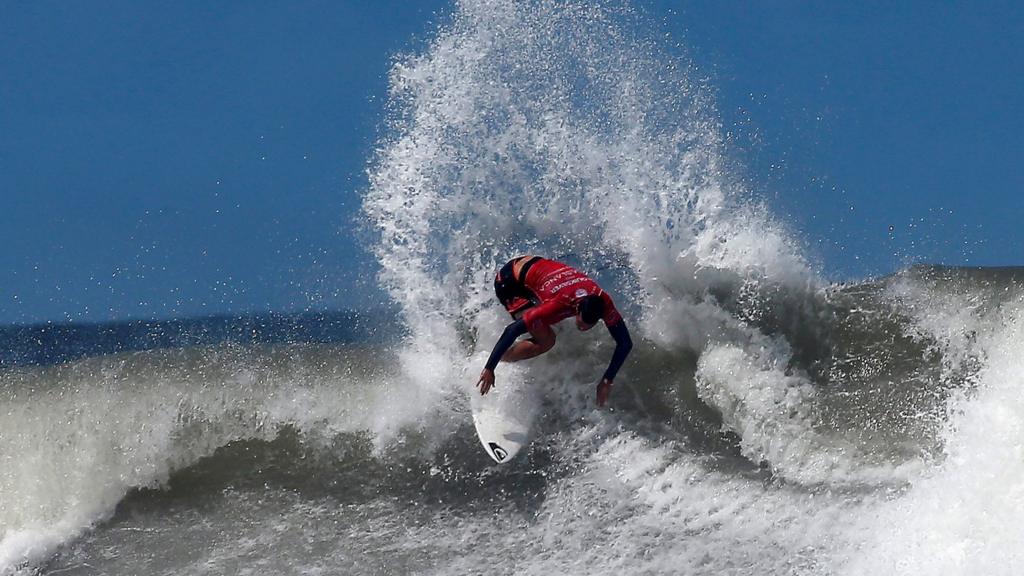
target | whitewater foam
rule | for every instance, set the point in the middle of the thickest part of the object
(76, 438)
(965, 515)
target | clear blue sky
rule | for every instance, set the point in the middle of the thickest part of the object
(168, 160)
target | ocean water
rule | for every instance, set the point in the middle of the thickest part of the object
(768, 421)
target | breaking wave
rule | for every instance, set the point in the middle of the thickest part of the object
(767, 420)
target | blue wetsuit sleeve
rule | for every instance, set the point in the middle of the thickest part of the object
(623, 344)
(508, 337)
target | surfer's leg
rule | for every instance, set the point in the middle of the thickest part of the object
(511, 295)
(543, 338)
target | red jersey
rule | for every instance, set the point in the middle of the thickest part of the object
(560, 288)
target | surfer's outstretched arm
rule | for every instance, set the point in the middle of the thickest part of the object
(508, 337)
(623, 344)
(507, 349)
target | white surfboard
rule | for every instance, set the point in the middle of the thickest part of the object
(504, 416)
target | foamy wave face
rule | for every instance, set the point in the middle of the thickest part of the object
(75, 439)
(776, 416)
(965, 516)
(633, 506)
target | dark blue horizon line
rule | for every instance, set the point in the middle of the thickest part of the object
(215, 316)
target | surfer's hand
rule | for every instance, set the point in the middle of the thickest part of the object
(486, 381)
(604, 388)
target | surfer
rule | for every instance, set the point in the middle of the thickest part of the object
(539, 293)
